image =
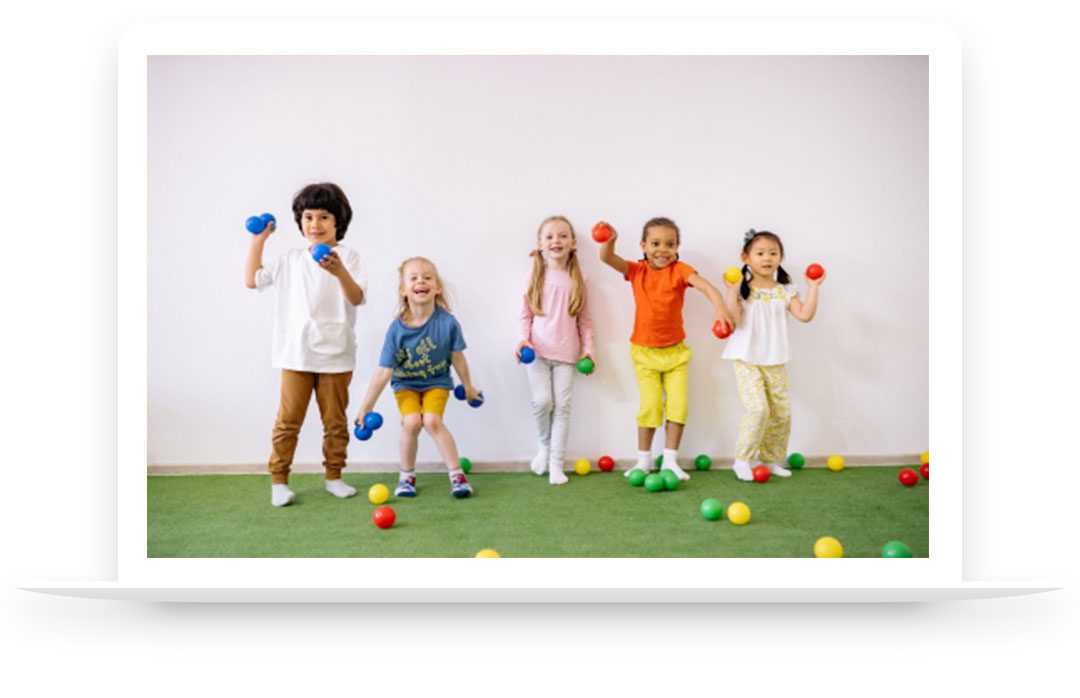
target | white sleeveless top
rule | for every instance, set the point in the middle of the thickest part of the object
(761, 337)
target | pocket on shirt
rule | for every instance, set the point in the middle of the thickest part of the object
(327, 337)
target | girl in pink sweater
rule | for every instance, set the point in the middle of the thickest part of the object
(557, 326)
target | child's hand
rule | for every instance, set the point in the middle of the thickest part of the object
(614, 233)
(592, 358)
(724, 315)
(472, 393)
(266, 232)
(817, 281)
(521, 345)
(360, 416)
(332, 263)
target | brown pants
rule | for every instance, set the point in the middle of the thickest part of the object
(332, 396)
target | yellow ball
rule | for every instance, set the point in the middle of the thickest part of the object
(582, 467)
(378, 493)
(733, 275)
(738, 513)
(836, 463)
(487, 552)
(925, 457)
(828, 547)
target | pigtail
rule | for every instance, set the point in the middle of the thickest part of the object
(782, 277)
(744, 287)
(535, 292)
(577, 293)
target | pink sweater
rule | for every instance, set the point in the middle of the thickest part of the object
(556, 335)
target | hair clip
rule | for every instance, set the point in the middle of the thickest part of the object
(749, 236)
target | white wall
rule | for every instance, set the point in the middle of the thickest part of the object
(459, 158)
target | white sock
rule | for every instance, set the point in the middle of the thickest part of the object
(778, 469)
(644, 462)
(540, 461)
(338, 488)
(742, 470)
(556, 476)
(669, 463)
(280, 495)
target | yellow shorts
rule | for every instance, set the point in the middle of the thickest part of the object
(662, 381)
(431, 401)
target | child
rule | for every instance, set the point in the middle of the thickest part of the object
(660, 357)
(314, 315)
(556, 324)
(759, 348)
(421, 344)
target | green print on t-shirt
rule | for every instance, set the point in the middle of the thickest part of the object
(419, 366)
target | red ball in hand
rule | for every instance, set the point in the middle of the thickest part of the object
(908, 477)
(601, 232)
(721, 329)
(815, 272)
(384, 517)
(606, 463)
(925, 470)
(761, 473)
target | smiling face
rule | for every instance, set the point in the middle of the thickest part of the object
(556, 240)
(763, 257)
(660, 245)
(319, 225)
(419, 283)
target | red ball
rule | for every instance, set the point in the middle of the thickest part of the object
(925, 470)
(384, 517)
(721, 329)
(606, 463)
(908, 477)
(761, 473)
(601, 232)
(815, 272)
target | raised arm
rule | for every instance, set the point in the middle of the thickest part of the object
(732, 302)
(333, 264)
(254, 256)
(805, 311)
(608, 256)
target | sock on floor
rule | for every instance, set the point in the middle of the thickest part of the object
(742, 470)
(540, 461)
(777, 468)
(670, 463)
(556, 476)
(280, 495)
(338, 488)
(644, 462)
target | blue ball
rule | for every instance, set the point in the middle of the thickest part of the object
(459, 392)
(527, 355)
(268, 218)
(319, 251)
(477, 403)
(373, 420)
(255, 224)
(362, 433)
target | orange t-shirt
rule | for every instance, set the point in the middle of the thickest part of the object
(658, 302)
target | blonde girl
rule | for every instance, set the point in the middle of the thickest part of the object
(556, 324)
(758, 347)
(421, 345)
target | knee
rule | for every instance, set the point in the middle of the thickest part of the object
(543, 405)
(411, 424)
(433, 423)
(561, 408)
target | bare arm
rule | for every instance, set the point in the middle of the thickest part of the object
(353, 293)
(702, 284)
(375, 388)
(254, 257)
(732, 301)
(805, 311)
(461, 366)
(608, 256)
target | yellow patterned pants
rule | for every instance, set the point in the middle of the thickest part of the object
(662, 381)
(764, 432)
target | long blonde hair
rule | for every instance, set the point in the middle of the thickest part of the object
(535, 294)
(441, 299)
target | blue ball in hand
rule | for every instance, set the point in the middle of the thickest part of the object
(319, 251)
(373, 420)
(459, 392)
(479, 401)
(527, 355)
(255, 225)
(268, 218)
(362, 433)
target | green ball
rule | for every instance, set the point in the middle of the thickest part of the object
(636, 477)
(586, 366)
(671, 480)
(659, 461)
(703, 462)
(796, 460)
(712, 509)
(895, 548)
(654, 483)
(465, 463)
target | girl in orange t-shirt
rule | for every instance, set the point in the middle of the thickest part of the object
(657, 349)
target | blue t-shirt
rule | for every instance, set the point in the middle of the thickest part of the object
(420, 356)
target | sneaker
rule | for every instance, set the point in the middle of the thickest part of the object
(406, 488)
(459, 486)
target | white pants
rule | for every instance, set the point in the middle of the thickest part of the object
(551, 383)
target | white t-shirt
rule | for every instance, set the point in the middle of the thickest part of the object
(761, 337)
(313, 321)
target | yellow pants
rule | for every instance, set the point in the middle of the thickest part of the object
(662, 380)
(764, 432)
(431, 401)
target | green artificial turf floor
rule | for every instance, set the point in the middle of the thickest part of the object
(521, 515)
